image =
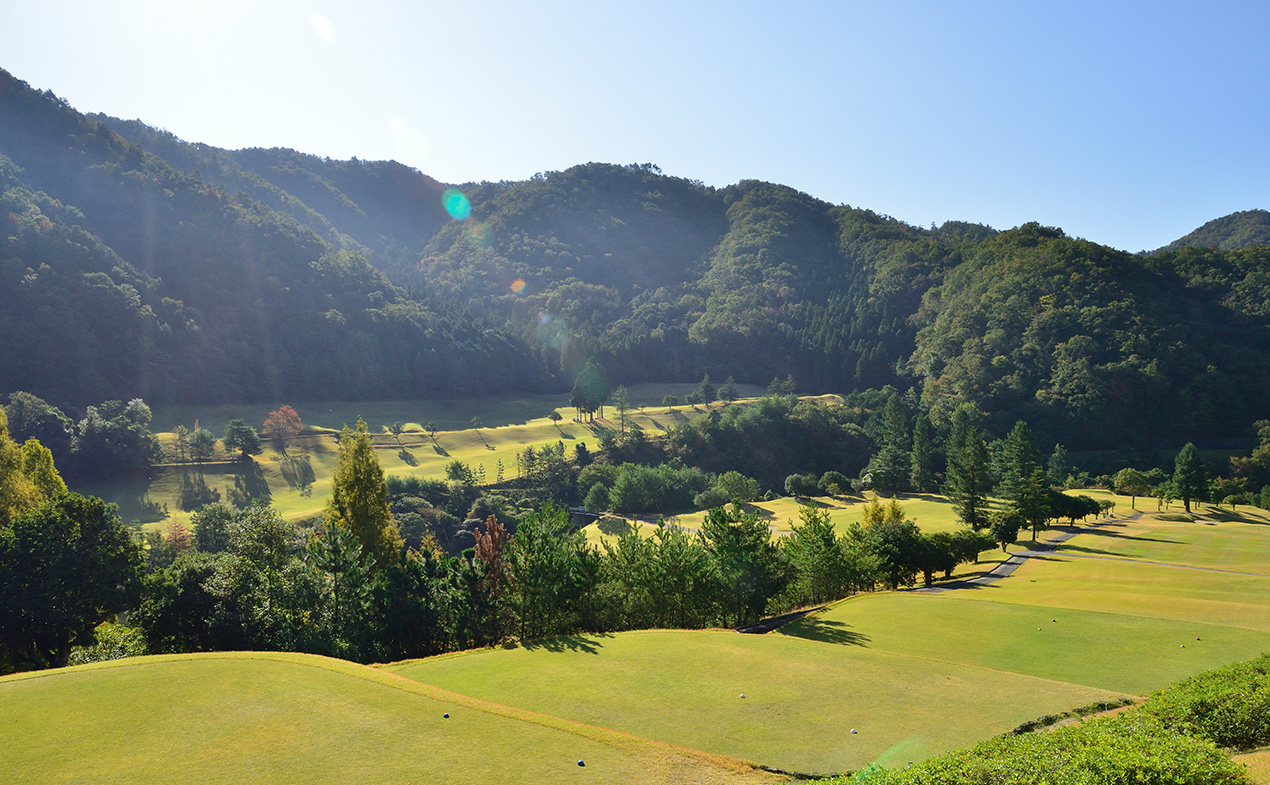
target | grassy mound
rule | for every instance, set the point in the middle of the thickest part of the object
(289, 718)
(802, 698)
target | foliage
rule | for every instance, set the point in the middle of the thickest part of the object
(1127, 748)
(1190, 478)
(1229, 706)
(750, 567)
(242, 437)
(282, 426)
(359, 497)
(65, 567)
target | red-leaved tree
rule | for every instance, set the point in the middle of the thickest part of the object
(281, 427)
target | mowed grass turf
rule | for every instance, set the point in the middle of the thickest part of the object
(802, 697)
(1117, 652)
(286, 718)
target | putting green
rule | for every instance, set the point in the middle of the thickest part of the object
(287, 718)
(802, 698)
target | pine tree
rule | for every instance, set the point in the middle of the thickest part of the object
(892, 464)
(967, 480)
(922, 476)
(359, 497)
(1190, 479)
(1059, 467)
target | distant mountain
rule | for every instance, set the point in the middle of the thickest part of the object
(1238, 230)
(133, 263)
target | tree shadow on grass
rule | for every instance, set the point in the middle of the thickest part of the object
(613, 526)
(250, 486)
(407, 458)
(827, 631)
(439, 450)
(588, 644)
(298, 472)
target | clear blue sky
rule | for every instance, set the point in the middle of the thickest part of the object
(1125, 123)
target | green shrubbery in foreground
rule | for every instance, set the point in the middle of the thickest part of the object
(1230, 705)
(1174, 738)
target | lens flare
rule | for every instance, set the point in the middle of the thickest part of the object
(456, 204)
(517, 286)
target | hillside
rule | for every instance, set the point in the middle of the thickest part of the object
(1240, 229)
(184, 273)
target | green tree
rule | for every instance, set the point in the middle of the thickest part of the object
(359, 499)
(736, 487)
(65, 567)
(967, 480)
(555, 418)
(922, 474)
(892, 464)
(707, 391)
(895, 541)
(1059, 467)
(242, 437)
(202, 443)
(621, 402)
(37, 465)
(1132, 483)
(750, 568)
(1190, 478)
(337, 554)
(1018, 460)
(669, 401)
(211, 527)
(552, 572)
(591, 389)
(728, 392)
(1032, 502)
(824, 566)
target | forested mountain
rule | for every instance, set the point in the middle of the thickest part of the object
(133, 263)
(1238, 230)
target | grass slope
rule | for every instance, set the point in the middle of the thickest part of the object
(801, 697)
(509, 425)
(287, 718)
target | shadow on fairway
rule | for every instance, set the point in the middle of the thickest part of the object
(826, 631)
(407, 458)
(439, 450)
(586, 645)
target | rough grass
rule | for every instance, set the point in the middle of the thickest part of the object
(288, 718)
(801, 697)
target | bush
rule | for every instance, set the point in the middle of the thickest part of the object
(1230, 705)
(1130, 748)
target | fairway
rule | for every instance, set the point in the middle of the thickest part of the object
(802, 698)
(291, 718)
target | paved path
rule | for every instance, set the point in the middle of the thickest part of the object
(1018, 557)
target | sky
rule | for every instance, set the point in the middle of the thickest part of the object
(1126, 123)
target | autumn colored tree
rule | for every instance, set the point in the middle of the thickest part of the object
(281, 427)
(359, 497)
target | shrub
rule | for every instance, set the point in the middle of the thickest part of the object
(1130, 748)
(1230, 705)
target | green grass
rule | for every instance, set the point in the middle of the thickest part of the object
(509, 425)
(288, 718)
(802, 697)
(1117, 652)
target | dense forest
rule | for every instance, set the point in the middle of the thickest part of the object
(137, 265)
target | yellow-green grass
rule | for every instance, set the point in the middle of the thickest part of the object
(509, 425)
(289, 718)
(802, 697)
(448, 413)
(1137, 589)
(1122, 653)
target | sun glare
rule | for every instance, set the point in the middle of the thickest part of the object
(324, 28)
